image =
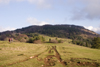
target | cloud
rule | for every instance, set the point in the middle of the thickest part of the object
(38, 3)
(6, 29)
(97, 30)
(41, 3)
(4, 1)
(79, 9)
(34, 21)
(8, 1)
(85, 9)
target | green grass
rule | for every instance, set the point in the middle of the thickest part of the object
(12, 53)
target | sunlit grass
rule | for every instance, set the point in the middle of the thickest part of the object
(17, 51)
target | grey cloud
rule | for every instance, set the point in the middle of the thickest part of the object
(90, 9)
(79, 9)
(41, 3)
(38, 3)
(4, 1)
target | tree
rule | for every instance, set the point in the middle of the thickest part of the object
(96, 43)
(43, 39)
(49, 40)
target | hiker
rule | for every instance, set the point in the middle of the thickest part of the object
(9, 39)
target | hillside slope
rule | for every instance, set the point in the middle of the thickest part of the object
(63, 31)
(18, 54)
(57, 30)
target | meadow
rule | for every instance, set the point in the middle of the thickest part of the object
(66, 54)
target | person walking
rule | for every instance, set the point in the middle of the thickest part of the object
(9, 39)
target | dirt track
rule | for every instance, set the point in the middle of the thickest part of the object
(51, 60)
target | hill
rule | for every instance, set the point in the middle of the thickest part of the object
(78, 34)
(58, 30)
(63, 31)
(18, 54)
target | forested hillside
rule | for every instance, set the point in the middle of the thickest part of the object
(66, 31)
(78, 34)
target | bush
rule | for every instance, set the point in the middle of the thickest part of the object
(36, 38)
(31, 40)
(49, 40)
(59, 41)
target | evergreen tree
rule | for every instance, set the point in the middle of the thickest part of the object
(96, 43)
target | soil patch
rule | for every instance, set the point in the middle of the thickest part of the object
(83, 62)
(49, 61)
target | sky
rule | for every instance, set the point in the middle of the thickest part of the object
(16, 14)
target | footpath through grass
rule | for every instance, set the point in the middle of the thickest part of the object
(18, 54)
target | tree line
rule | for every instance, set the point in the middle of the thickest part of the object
(92, 43)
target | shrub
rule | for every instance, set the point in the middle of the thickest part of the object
(49, 40)
(31, 40)
(36, 39)
(59, 41)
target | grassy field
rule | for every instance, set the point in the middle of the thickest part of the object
(17, 54)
